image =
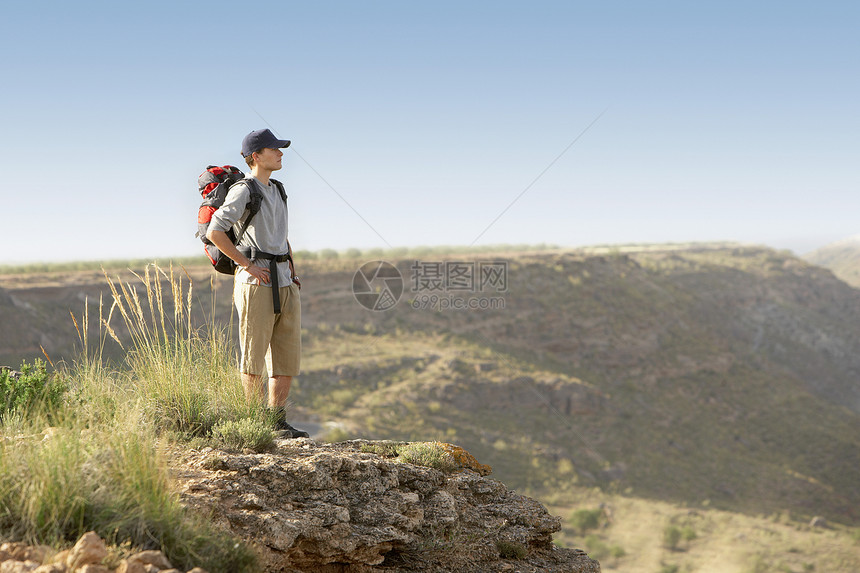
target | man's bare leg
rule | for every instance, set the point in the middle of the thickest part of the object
(279, 391)
(255, 389)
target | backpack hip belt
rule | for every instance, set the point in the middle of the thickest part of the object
(253, 253)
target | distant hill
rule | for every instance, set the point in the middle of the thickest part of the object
(724, 376)
(841, 257)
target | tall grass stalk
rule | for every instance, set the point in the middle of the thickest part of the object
(186, 375)
(97, 391)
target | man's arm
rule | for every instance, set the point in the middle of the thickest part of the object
(226, 246)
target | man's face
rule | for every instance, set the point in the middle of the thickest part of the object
(269, 158)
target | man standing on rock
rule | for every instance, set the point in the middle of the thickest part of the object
(266, 289)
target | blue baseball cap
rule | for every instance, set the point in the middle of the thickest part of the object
(261, 139)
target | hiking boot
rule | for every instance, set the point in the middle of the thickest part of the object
(287, 431)
(280, 425)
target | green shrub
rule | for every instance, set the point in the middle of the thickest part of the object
(31, 391)
(585, 519)
(247, 433)
(672, 537)
(688, 533)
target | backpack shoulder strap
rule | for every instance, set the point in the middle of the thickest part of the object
(281, 189)
(254, 202)
(256, 196)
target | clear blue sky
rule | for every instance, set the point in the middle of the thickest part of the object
(421, 123)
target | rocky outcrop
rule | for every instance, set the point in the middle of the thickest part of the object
(354, 507)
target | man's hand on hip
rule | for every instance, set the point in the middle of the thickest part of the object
(259, 273)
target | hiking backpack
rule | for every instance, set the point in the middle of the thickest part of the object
(213, 184)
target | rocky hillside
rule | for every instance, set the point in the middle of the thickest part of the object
(719, 375)
(725, 376)
(841, 257)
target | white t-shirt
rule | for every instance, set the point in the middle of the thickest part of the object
(267, 231)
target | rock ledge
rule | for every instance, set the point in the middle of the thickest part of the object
(351, 507)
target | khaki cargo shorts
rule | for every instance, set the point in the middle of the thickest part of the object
(270, 342)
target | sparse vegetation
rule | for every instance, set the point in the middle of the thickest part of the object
(84, 447)
(688, 534)
(427, 454)
(56, 484)
(511, 550)
(302, 255)
(384, 449)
